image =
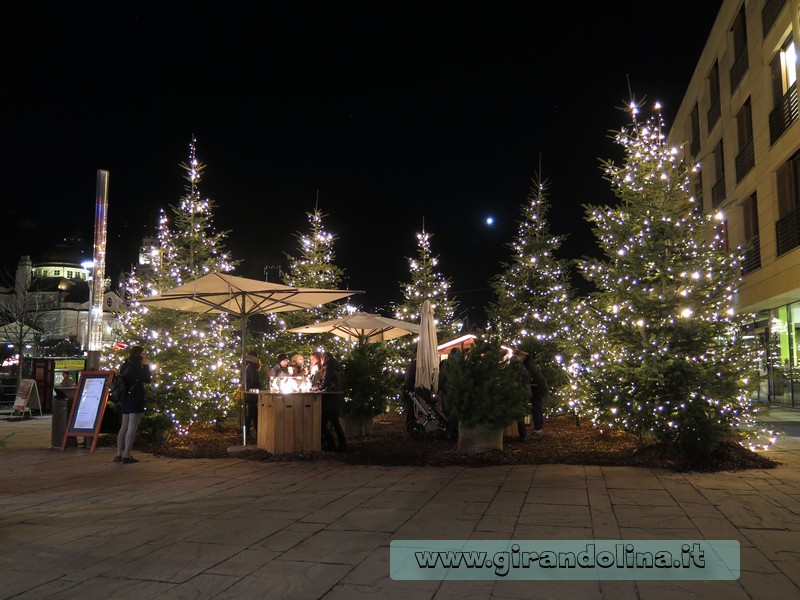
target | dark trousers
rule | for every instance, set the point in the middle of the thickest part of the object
(537, 412)
(330, 420)
(251, 411)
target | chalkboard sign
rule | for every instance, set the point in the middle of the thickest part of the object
(91, 397)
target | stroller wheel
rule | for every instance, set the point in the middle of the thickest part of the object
(415, 428)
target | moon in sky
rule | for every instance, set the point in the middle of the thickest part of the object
(489, 221)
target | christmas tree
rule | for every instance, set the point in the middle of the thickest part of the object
(312, 267)
(664, 351)
(532, 310)
(426, 283)
(196, 362)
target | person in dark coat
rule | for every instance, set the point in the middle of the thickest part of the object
(136, 372)
(331, 381)
(252, 367)
(519, 357)
(315, 372)
(409, 381)
(539, 391)
(281, 368)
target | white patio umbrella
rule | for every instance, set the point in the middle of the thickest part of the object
(361, 325)
(427, 375)
(241, 297)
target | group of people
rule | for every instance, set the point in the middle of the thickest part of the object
(325, 375)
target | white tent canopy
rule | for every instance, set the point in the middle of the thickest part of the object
(361, 325)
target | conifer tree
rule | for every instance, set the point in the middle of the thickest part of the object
(196, 362)
(664, 351)
(532, 310)
(427, 284)
(312, 267)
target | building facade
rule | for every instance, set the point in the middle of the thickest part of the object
(52, 296)
(739, 121)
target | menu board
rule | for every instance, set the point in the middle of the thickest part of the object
(86, 416)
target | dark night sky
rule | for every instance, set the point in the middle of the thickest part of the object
(395, 111)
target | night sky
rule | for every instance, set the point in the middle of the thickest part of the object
(394, 112)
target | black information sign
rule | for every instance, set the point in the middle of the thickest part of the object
(91, 397)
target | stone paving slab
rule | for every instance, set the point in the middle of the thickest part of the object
(76, 525)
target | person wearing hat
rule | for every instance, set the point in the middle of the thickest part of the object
(281, 368)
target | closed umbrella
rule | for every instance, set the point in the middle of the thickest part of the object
(362, 326)
(427, 375)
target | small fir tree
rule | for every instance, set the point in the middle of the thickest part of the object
(532, 309)
(195, 356)
(664, 351)
(312, 267)
(426, 283)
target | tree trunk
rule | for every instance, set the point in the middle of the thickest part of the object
(479, 438)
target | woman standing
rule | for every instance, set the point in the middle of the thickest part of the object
(136, 372)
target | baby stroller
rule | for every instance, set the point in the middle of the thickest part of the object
(425, 412)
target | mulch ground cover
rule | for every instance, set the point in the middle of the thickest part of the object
(563, 441)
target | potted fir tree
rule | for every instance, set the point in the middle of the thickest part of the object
(367, 387)
(486, 394)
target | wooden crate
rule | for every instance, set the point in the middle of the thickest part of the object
(289, 422)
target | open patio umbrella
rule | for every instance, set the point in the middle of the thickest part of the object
(241, 297)
(361, 325)
(427, 375)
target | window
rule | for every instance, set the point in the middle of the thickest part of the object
(746, 159)
(787, 186)
(694, 135)
(784, 90)
(718, 189)
(787, 227)
(698, 191)
(722, 233)
(69, 274)
(752, 257)
(740, 60)
(713, 95)
(56, 272)
(750, 208)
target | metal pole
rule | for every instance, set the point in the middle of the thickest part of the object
(98, 273)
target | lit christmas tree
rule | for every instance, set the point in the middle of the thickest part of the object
(532, 310)
(427, 284)
(312, 267)
(195, 356)
(664, 351)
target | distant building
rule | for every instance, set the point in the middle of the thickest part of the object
(739, 120)
(58, 283)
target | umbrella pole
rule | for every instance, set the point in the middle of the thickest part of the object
(243, 407)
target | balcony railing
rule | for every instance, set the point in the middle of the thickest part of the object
(718, 192)
(752, 257)
(769, 14)
(745, 161)
(783, 115)
(714, 113)
(787, 232)
(739, 68)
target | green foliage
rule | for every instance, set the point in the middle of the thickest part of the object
(195, 358)
(368, 383)
(664, 354)
(482, 389)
